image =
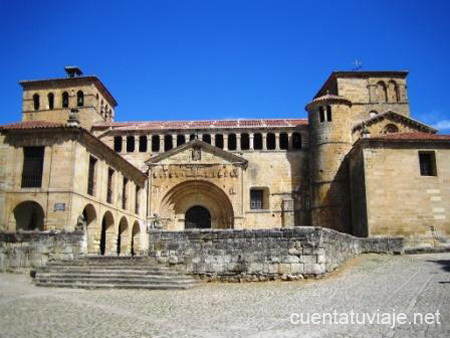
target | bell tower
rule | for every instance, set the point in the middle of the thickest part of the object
(54, 99)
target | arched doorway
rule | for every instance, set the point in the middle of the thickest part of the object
(29, 215)
(123, 238)
(107, 238)
(197, 217)
(189, 194)
(136, 239)
(90, 218)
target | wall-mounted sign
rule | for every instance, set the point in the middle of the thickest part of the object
(59, 207)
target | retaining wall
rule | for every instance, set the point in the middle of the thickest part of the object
(286, 253)
(31, 249)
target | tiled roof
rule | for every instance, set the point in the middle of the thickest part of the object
(328, 98)
(32, 125)
(158, 125)
(411, 136)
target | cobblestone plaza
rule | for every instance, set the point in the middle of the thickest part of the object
(407, 283)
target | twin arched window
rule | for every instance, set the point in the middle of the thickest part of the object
(51, 101)
(65, 100)
(36, 101)
(80, 99)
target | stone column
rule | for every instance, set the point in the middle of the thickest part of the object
(290, 141)
(186, 138)
(225, 141)
(277, 141)
(264, 141)
(161, 143)
(136, 144)
(149, 143)
(174, 141)
(124, 143)
(213, 139)
(251, 136)
(238, 142)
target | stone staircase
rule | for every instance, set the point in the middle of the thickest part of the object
(100, 272)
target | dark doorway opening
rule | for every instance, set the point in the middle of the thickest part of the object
(197, 218)
(103, 237)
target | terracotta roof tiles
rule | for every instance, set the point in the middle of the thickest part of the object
(32, 125)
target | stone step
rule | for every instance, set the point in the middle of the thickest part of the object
(96, 272)
(116, 286)
(112, 280)
(95, 275)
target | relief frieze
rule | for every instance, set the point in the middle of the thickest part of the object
(194, 171)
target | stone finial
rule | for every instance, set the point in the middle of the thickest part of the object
(74, 119)
(365, 133)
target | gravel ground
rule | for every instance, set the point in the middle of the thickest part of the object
(369, 284)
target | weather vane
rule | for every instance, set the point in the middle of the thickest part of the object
(357, 64)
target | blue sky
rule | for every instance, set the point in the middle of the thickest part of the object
(172, 60)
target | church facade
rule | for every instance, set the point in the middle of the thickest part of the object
(358, 164)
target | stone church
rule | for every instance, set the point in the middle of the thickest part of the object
(358, 164)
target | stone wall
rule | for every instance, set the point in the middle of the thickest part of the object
(286, 253)
(24, 250)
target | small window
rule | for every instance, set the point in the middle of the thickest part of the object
(427, 161)
(257, 141)
(51, 101)
(270, 141)
(136, 200)
(206, 138)
(36, 101)
(245, 141)
(80, 99)
(110, 190)
(256, 199)
(91, 176)
(142, 143)
(192, 137)
(321, 114)
(296, 141)
(118, 143)
(124, 193)
(232, 142)
(168, 144)
(219, 141)
(284, 141)
(390, 129)
(33, 165)
(65, 100)
(155, 143)
(181, 139)
(329, 119)
(130, 144)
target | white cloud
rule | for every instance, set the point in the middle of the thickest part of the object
(444, 124)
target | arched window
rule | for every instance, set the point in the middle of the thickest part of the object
(142, 143)
(155, 143)
(232, 142)
(65, 99)
(180, 140)
(118, 143)
(390, 129)
(284, 141)
(393, 93)
(192, 137)
(296, 141)
(321, 114)
(219, 141)
(257, 141)
(381, 92)
(102, 107)
(51, 101)
(270, 142)
(245, 141)
(80, 99)
(206, 138)
(168, 144)
(130, 144)
(36, 101)
(373, 113)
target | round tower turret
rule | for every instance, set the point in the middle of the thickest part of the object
(330, 140)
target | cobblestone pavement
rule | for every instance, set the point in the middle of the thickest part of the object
(418, 283)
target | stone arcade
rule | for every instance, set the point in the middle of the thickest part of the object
(359, 164)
